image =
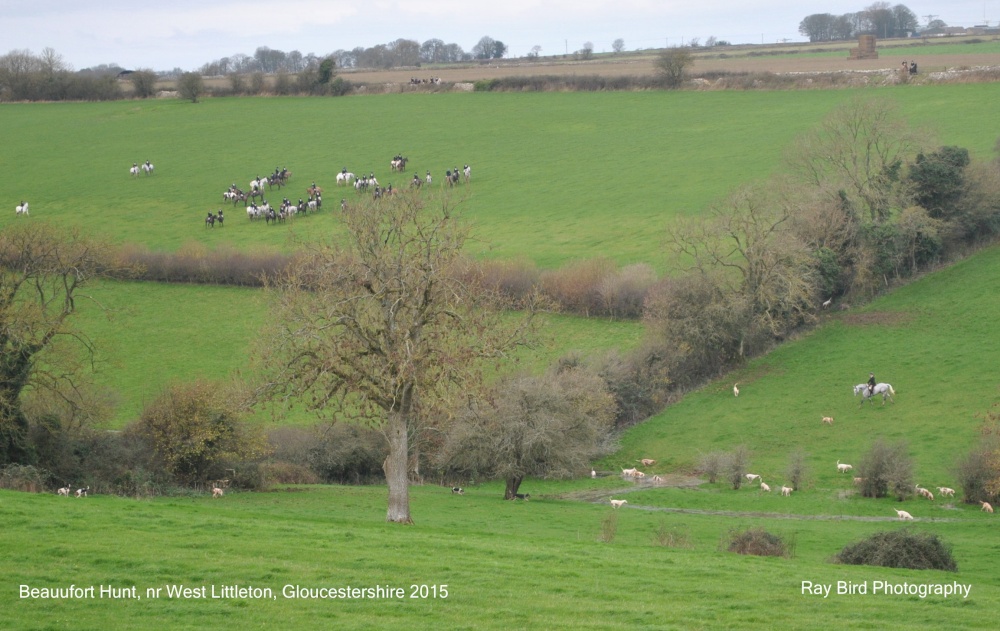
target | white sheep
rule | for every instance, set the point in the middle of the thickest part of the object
(946, 492)
(987, 507)
(764, 487)
(902, 514)
(618, 503)
(217, 492)
(843, 468)
(786, 491)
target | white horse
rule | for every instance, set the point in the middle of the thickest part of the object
(884, 389)
(344, 178)
(147, 167)
(468, 172)
(21, 209)
(134, 170)
(258, 184)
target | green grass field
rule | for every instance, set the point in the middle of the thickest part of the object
(556, 177)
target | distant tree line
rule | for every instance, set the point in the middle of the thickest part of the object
(25, 76)
(879, 19)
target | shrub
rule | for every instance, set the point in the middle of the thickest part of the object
(886, 469)
(735, 465)
(676, 537)
(758, 542)
(348, 454)
(901, 549)
(797, 470)
(609, 527)
(25, 478)
(711, 465)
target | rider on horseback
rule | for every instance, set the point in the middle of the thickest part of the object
(871, 384)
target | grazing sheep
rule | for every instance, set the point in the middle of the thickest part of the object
(736, 390)
(82, 492)
(786, 491)
(987, 507)
(752, 476)
(902, 514)
(646, 462)
(828, 420)
(457, 490)
(217, 492)
(618, 503)
(843, 468)
(764, 487)
(945, 491)
(64, 491)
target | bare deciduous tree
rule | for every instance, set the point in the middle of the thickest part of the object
(383, 330)
(672, 65)
(191, 86)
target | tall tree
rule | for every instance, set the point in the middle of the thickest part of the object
(484, 48)
(672, 65)
(43, 273)
(385, 329)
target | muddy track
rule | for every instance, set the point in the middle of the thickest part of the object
(602, 496)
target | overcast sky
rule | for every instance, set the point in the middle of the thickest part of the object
(186, 34)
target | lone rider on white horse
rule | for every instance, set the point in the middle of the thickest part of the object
(871, 384)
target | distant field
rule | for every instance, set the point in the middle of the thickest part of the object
(556, 176)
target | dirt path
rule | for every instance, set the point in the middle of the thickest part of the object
(602, 496)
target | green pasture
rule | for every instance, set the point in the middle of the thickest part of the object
(556, 176)
(935, 341)
(152, 334)
(539, 564)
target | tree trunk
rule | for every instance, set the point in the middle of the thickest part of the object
(395, 467)
(513, 484)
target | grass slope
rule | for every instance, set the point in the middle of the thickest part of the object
(556, 176)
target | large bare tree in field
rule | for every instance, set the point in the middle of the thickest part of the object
(386, 328)
(43, 273)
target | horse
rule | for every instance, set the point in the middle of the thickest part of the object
(21, 209)
(344, 178)
(210, 221)
(147, 168)
(134, 170)
(399, 164)
(884, 389)
(313, 190)
(468, 172)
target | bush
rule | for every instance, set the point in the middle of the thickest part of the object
(758, 542)
(886, 469)
(735, 465)
(711, 465)
(901, 549)
(797, 470)
(27, 478)
(348, 454)
(676, 537)
(609, 527)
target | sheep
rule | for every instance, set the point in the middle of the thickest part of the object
(945, 491)
(64, 491)
(987, 507)
(828, 420)
(647, 462)
(843, 468)
(82, 492)
(457, 490)
(903, 515)
(217, 492)
(786, 491)
(736, 390)
(618, 503)
(764, 487)
(752, 476)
